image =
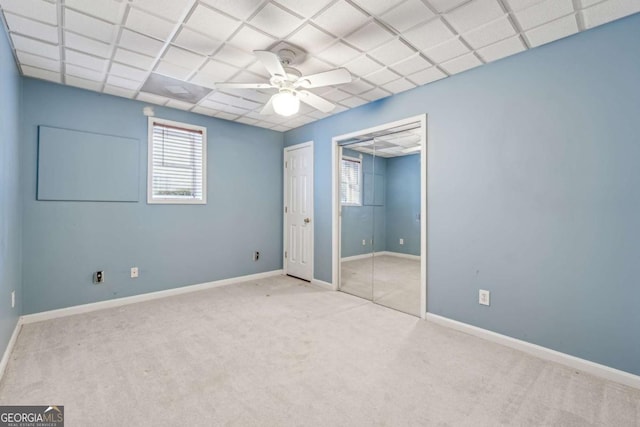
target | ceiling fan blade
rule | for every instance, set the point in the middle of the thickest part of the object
(268, 109)
(327, 78)
(271, 62)
(232, 85)
(315, 101)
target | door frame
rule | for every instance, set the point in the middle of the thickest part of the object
(336, 208)
(285, 234)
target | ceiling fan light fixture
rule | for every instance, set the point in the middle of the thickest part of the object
(286, 103)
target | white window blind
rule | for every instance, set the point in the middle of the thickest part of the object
(177, 162)
(351, 181)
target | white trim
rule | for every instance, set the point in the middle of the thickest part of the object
(336, 154)
(12, 342)
(285, 237)
(174, 201)
(545, 353)
(380, 253)
(118, 302)
(322, 284)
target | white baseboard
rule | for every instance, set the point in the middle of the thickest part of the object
(322, 284)
(9, 349)
(545, 353)
(380, 253)
(118, 302)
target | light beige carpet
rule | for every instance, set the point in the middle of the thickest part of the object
(278, 352)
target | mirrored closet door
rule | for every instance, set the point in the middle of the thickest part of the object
(380, 216)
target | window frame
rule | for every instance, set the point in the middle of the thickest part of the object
(150, 168)
(360, 176)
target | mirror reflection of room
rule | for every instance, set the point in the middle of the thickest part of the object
(380, 218)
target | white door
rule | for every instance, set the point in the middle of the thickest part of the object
(298, 208)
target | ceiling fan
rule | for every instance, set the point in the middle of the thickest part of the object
(291, 84)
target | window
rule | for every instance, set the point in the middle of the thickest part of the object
(177, 163)
(351, 181)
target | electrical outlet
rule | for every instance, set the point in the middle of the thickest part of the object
(98, 277)
(364, 242)
(484, 297)
(13, 299)
(134, 272)
(402, 241)
(256, 256)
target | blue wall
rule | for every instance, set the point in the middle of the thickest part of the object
(172, 245)
(10, 218)
(403, 204)
(533, 192)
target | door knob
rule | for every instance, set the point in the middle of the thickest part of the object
(307, 220)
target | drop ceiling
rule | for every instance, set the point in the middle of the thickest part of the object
(389, 46)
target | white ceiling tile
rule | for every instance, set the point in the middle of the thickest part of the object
(446, 51)
(258, 68)
(499, 29)
(83, 83)
(407, 15)
(369, 36)
(180, 105)
(204, 79)
(173, 70)
(446, 5)
(134, 59)
(35, 9)
(204, 111)
(85, 73)
(201, 20)
(362, 65)
(374, 94)
(245, 104)
(119, 91)
(392, 52)
(232, 109)
(128, 72)
(588, 3)
(252, 95)
(305, 8)
(152, 98)
(169, 9)
(84, 44)
(122, 82)
(338, 54)
(111, 10)
(460, 64)
(219, 71)
(234, 56)
(195, 41)
(89, 26)
(248, 77)
(428, 35)
(247, 120)
(311, 39)
(426, 76)
(474, 14)
(376, 7)
(139, 43)
(517, 5)
(26, 44)
(312, 65)
(213, 105)
(340, 19)
(148, 24)
(222, 98)
(381, 77)
(249, 39)
(183, 58)
(411, 65)
(226, 116)
(610, 10)
(353, 102)
(399, 85)
(274, 20)
(240, 9)
(84, 60)
(552, 31)
(501, 49)
(29, 27)
(281, 128)
(38, 61)
(544, 12)
(39, 73)
(336, 95)
(356, 87)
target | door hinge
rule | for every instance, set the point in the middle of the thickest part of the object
(285, 254)
(286, 209)
(286, 164)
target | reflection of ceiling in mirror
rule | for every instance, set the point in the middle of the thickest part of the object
(394, 142)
